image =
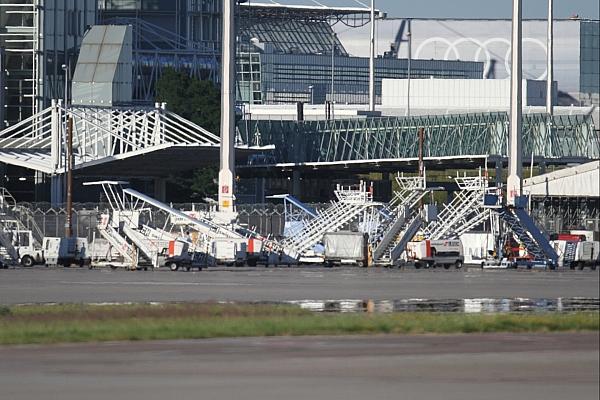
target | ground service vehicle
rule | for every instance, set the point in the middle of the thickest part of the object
(29, 253)
(346, 248)
(229, 251)
(66, 251)
(434, 253)
(576, 252)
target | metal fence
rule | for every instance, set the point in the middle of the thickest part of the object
(552, 214)
(266, 219)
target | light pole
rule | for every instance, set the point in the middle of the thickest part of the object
(409, 34)
(332, 71)
(312, 98)
(66, 161)
(372, 60)
(65, 67)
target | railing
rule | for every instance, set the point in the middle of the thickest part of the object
(101, 132)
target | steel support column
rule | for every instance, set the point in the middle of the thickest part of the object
(515, 167)
(226, 172)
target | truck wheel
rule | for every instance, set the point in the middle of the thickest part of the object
(418, 265)
(593, 266)
(173, 266)
(581, 265)
(188, 267)
(27, 261)
(446, 266)
(458, 264)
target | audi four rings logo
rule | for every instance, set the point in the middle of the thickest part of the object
(482, 46)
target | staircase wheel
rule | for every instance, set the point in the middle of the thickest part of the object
(27, 261)
(173, 266)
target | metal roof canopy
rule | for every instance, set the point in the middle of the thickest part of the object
(161, 163)
(314, 11)
(578, 181)
(392, 165)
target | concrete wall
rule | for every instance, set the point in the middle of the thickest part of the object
(460, 93)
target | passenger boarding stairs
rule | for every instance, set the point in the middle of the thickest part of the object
(7, 250)
(297, 214)
(14, 218)
(118, 242)
(463, 213)
(349, 205)
(148, 248)
(399, 222)
(520, 223)
(404, 227)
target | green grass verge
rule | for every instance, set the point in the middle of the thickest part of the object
(84, 323)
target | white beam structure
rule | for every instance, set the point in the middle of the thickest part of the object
(372, 60)
(515, 167)
(227, 162)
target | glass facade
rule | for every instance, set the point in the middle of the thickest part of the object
(289, 78)
(38, 37)
(589, 81)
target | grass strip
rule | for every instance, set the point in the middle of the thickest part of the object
(86, 323)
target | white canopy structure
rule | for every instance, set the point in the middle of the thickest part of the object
(578, 181)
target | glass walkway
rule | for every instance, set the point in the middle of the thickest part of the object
(482, 134)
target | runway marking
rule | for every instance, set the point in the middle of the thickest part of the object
(157, 283)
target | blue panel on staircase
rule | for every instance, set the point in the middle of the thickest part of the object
(541, 240)
(389, 235)
(309, 210)
(407, 235)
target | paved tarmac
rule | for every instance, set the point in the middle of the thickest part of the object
(40, 284)
(461, 367)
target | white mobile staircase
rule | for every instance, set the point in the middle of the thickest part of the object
(399, 220)
(119, 243)
(463, 213)
(14, 218)
(349, 205)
